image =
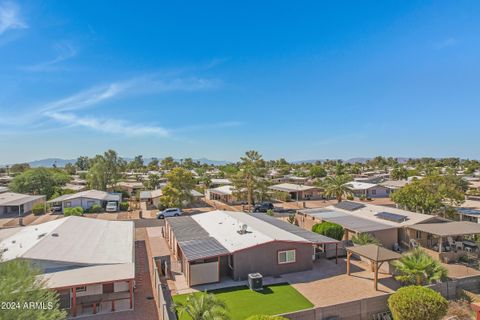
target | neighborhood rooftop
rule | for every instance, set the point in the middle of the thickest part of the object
(16, 199)
(89, 194)
(454, 228)
(219, 233)
(291, 187)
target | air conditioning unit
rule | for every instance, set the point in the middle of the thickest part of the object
(255, 281)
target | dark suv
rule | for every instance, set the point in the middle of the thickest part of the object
(263, 207)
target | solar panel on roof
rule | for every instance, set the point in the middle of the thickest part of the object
(392, 217)
(349, 206)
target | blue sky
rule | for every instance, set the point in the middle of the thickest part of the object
(300, 80)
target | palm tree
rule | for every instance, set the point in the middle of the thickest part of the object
(335, 186)
(365, 238)
(248, 179)
(417, 267)
(202, 306)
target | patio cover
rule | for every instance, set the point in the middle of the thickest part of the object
(375, 253)
(377, 256)
(454, 228)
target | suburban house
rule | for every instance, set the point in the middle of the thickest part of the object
(18, 204)
(290, 179)
(230, 245)
(75, 187)
(469, 211)
(369, 190)
(5, 180)
(89, 262)
(298, 192)
(152, 197)
(218, 182)
(389, 225)
(394, 185)
(86, 199)
(372, 177)
(223, 194)
(3, 189)
(131, 187)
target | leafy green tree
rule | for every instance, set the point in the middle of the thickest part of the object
(105, 170)
(38, 209)
(432, 194)
(336, 187)
(202, 306)
(19, 167)
(399, 173)
(177, 192)
(168, 163)
(19, 284)
(365, 238)
(153, 181)
(329, 229)
(249, 178)
(417, 267)
(83, 163)
(153, 164)
(317, 171)
(39, 181)
(136, 163)
(417, 302)
(70, 169)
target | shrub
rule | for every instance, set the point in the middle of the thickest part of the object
(460, 310)
(291, 219)
(96, 208)
(124, 206)
(329, 229)
(362, 197)
(365, 238)
(76, 211)
(269, 212)
(417, 302)
(349, 197)
(264, 317)
(38, 209)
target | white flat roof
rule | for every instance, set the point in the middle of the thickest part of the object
(291, 187)
(355, 185)
(220, 181)
(90, 194)
(72, 239)
(224, 226)
(369, 211)
(16, 199)
(224, 190)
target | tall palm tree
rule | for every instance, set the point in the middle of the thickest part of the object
(417, 267)
(248, 179)
(335, 186)
(202, 307)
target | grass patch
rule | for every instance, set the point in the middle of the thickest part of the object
(243, 302)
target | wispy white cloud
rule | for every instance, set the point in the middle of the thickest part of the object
(65, 51)
(112, 126)
(445, 43)
(10, 17)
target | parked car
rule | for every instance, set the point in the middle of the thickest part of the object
(111, 206)
(263, 207)
(170, 212)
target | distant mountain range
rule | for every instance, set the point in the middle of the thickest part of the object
(49, 162)
(59, 162)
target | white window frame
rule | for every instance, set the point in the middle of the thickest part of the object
(288, 259)
(81, 289)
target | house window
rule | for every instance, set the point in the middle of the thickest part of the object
(67, 204)
(418, 234)
(81, 289)
(374, 192)
(287, 256)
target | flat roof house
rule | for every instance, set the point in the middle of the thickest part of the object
(12, 203)
(227, 244)
(369, 190)
(298, 192)
(387, 224)
(86, 199)
(89, 262)
(223, 194)
(131, 187)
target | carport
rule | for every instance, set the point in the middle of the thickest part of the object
(377, 256)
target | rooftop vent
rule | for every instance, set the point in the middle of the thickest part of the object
(243, 229)
(41, 235)
(55, 234)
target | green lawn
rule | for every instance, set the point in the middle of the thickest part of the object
(243, 302)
